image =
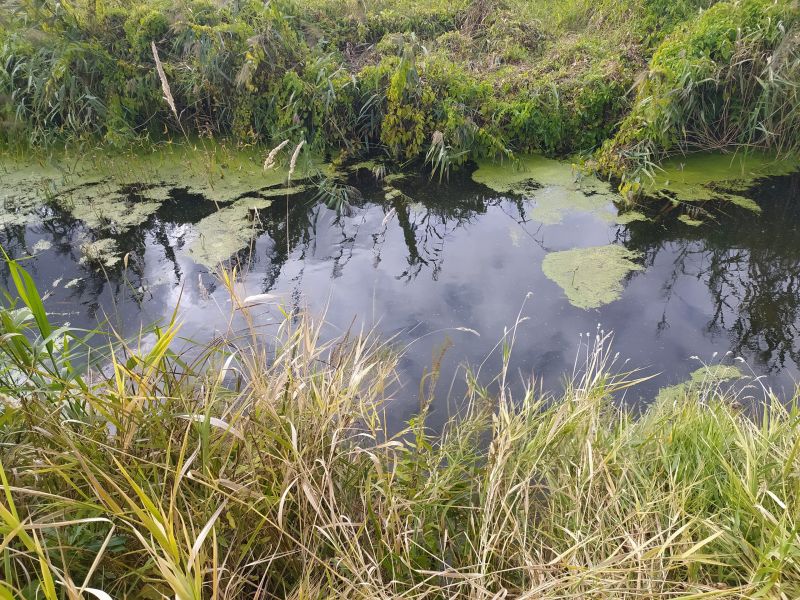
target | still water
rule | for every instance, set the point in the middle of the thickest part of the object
(447, 266)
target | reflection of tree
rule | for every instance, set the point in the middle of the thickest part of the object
(97, 288)
(426, 213)
(750, 265)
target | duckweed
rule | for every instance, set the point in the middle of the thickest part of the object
(591, 277)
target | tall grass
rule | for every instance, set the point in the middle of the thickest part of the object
(725, 81)
(267, 470)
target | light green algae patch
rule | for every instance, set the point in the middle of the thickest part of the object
(117, 191)
(708, 375)
(551, 204)
(590, 277)
(526, 171)
(41, 246)
(101, 253)
(24, 188)
(687, 220)
(704, 177)
(554, 188)
(715, 374)
(631, 216)
(221, 235)
(103, 209)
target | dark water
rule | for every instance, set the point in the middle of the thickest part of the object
(452, 269)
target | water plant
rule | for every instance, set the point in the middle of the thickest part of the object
(724, 81)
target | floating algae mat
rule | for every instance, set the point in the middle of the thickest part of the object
(127, 236)
(111, 193)
(554, 188)
(590, 277)
(230, 229)
(722, 177)
(705, 376)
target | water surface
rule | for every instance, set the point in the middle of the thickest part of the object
(439, 266)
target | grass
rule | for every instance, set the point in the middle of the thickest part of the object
(244, 469)
(427, 82)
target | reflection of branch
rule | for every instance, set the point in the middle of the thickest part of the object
(752, 274)
(522, 221)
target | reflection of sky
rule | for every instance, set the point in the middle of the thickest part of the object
(471, 275)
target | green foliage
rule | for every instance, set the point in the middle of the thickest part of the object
(420, 80)
(726, 80)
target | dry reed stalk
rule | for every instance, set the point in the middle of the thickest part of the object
(270, 160)
(164, 83)
(293, 162)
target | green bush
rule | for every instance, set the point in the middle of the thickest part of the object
(435, 80)
(726, 80)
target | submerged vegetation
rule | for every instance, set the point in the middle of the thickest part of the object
(246, 470)
(416, 80)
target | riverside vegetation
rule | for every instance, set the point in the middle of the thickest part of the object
(266, 470)
(263, 465)
(622, 83)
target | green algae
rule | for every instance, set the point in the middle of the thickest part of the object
(687, 220)
(224, 233)
(106, 210)
(527, 171)
(554, 188)
(715, 374)
(391, 192)
(552, 203)
(41, 246)
(722, 177)
(100, 253)
(117, 191)
(590, 277)
(707, 375)
(631, 216)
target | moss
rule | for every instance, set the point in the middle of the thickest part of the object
(590, 277)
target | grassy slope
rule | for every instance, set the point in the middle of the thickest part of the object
(417, 79)
(270, 475)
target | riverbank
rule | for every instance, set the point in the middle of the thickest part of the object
(265, 469)
(424, 81)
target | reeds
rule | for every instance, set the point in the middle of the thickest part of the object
(295, 156)
(269, 162)
(269, 471)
